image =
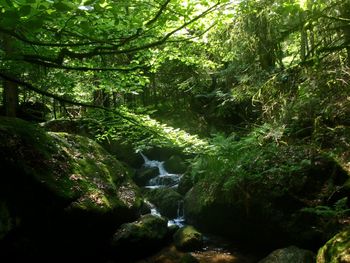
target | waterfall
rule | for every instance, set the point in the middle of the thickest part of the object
(164, 179)
(180, 218)
(154, 163)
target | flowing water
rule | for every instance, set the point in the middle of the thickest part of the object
(216, 250)
(164, 180)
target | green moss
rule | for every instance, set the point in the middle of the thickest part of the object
(70, 166)
(336, 250)
(188, 239)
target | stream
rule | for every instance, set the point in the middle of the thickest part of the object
(215, 250)
(168, 180)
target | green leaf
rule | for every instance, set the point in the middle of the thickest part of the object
(9, 2)
(63, 7)
(34, 24)
(25, 10)
(10, 19)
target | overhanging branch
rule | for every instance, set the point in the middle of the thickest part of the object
(29, 86)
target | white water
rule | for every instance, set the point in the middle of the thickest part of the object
(180, 219)
(164, 179)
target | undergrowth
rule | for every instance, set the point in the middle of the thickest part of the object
(143, 132)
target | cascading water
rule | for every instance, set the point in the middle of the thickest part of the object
(180, 219)
(164, 180)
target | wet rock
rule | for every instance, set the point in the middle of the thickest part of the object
(336, 250)
(185, 184)
(188, 239)
(145, 174)
(145, 208)
(290, 254)
(162, 153)
(144, 236)
(168, 180)
(175, 165)
(166, 200)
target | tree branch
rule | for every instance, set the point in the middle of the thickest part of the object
(72, 102)
(42, 61)
(44, 44)
(47, 94)
(113, 51)
(159, 13)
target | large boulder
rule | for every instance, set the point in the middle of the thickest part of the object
(188, 238)
(144, 236)
(66, 192)
(175, 164)
(145, 174)
(88, 127)
(167, 201)
(336, 250)
(291, 254)
(162, 153)
(284, 195)
(185, 184)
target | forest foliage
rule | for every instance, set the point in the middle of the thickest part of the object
(269, 71)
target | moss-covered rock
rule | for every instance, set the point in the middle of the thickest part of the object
(175, 164)
(63, 187)
(188, 239)
(336, 250)
(185, 184)
(144, 236)
(268, 195)
(290, 254)
(90, 128)
(145, 174)
(166, 200)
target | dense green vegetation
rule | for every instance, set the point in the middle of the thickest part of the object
(253, 95)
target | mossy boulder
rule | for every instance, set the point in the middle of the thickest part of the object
(291, 254)
(188, 238)
(67, 192)
(91, 128)
(163, 153)
(185, 184)
(175, 164)
(166, 200)
(143, 236)
(145, 174)
(336, 250)
(269, 198)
